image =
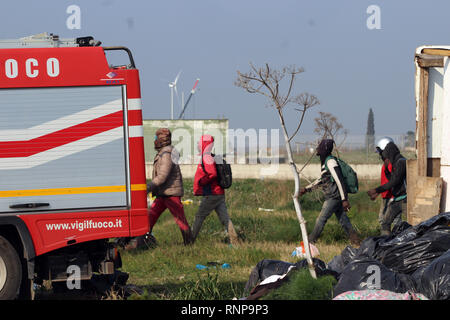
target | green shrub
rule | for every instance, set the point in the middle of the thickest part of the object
(207, 287)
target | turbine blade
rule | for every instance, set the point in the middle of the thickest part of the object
(176, 79)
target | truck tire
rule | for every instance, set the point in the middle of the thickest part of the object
(10, 271)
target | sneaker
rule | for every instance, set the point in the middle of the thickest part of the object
(149, 241)
(354, 239)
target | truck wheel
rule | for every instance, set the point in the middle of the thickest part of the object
(10, 271)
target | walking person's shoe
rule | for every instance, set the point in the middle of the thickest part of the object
(188, 239)
(234, 239)
(146, 241)
(149, 240)
(354, 239)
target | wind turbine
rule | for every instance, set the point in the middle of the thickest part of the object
(173, 86)
(189, 98)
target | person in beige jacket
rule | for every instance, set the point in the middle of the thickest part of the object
(167, 185)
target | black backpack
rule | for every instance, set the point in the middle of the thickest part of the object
(224, 175)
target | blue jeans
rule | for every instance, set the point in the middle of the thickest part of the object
(329, 207)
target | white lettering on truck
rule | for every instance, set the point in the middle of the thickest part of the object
(31, 64)
(28, 67)
(11, 68)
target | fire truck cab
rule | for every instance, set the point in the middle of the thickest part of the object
(72, 168)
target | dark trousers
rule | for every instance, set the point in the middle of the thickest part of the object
(393, 215)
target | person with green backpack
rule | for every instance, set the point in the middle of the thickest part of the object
(337, 180)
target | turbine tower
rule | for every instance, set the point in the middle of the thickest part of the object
(189, 98)
(173, 86)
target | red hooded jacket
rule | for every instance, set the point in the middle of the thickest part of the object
(205, 180)
(387, 194)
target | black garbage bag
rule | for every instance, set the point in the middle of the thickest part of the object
(407, 249)
(370, 246)
(367, 250)
(370, 274)
(266, 268)
(407, 253)
(435, 279)
(398, 228)
(338, 263)
(442, 219)
(319, 266)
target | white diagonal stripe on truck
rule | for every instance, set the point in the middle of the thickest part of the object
(61, 123)
(62, 151)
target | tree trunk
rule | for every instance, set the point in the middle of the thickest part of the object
(295, 197)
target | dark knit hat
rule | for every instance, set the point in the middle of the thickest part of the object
(325, 148)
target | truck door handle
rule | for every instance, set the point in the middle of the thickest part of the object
(29, 205)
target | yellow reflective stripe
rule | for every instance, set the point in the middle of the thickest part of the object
(65, 191)
(138, 187)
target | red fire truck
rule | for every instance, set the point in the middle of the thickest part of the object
(72, 168)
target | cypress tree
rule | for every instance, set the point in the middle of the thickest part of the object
(370, 133)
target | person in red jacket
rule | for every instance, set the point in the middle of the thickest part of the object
(207, 186)
(386, 196)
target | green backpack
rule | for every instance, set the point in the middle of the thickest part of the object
(350, 176)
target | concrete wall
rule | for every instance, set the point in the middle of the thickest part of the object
(279, 172)
(185, 136)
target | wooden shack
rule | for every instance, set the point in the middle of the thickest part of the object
(429, 174)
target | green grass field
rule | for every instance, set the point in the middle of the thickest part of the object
(169, 270)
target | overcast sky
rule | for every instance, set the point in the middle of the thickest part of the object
(348, 66)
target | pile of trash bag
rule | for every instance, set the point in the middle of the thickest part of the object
(413, 259)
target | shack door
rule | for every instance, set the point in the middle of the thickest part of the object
(62, 148)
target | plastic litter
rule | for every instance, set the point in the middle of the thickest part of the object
(300, 252)
(201, 267)
(187, 202)
(213, 265)
(267, 210)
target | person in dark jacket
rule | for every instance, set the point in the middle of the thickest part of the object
(386, 196)
(396, 184)
(207, 186)
(336, 197)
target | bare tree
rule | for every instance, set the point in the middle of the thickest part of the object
(328, 127)
(269, 83)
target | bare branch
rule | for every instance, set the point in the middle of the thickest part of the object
(328, 126)
(306, 101)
